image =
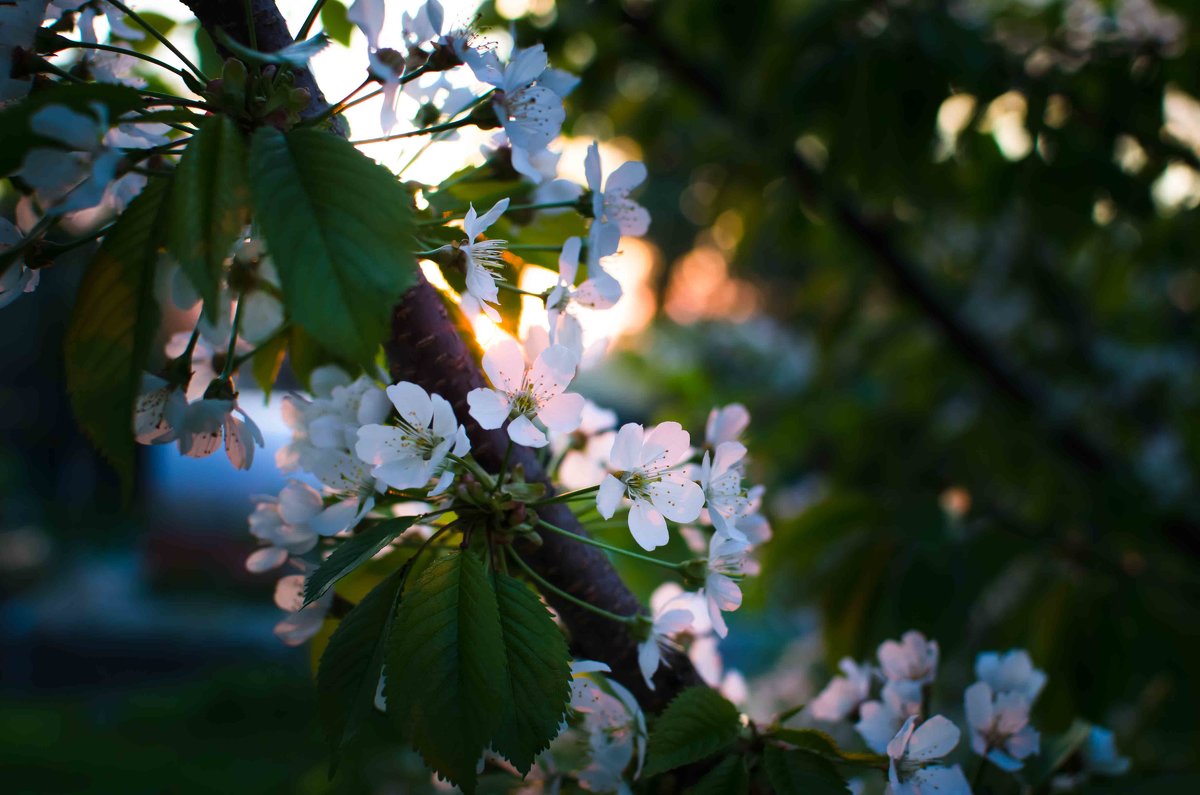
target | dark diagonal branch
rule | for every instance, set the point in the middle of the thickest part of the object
(427, 348)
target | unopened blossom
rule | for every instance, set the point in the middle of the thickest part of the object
(726, 424)
(913, 754)
(642, 467)
(601, 291)
(665, 625)
(612, 209)
(531, 114)
(303, 622)
(523, 392)
(77, 178)
(208, 422)
(1010, 672)
(844, 694)
(721, 480)
(999, 725)
(727, 562)
(878, 721)
(16, 279)
(414, 451)
(291, 524)
(482, 259)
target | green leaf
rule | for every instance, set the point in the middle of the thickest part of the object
(446, 666)
(14, 120)
(336, 22)
(348, 675)
(801, 773)
(209, 205)
(697, 724)
(352, 553)
(112, 328)
(267, 362)
(730, 777)
(338, 227)
(539, 674)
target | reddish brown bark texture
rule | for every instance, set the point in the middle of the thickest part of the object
(427, 348)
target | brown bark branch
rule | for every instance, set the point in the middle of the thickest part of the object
(427, 348)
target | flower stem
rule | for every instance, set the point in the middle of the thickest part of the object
(474, 469)
(85, 45)
(309, 20)
(514, 289)
(544, 206)
(568, 496)
(437, 128)
(146, 26)
(666, 564)
(503, 467)
(230, 359)
(533, 575)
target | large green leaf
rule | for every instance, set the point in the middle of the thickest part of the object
(539, 674)
(80, 97)
(801, 773)
(350, 667)
(338, 227)
(112, 327)
(729, 777)
(209, 205)
(352, 553)
(446, 666)
(697, 724)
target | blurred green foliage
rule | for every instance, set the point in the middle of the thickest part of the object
(981, 362)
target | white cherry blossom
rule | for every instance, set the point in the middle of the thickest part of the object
(912, 755)
(727, 562)
(413, 452)
(1012, 671)
(878, 721)
(726, 424)
(844, 694)
(304, 622)
(208, 422)
(600, 291)
(530, 113)
(721, 479)
(666, 624)
(612, 209)
(325, 430)
(642, 469)
(913, 659)
(483, 259)
(159, 408)
(523, 392)
(66, 181)
(291, 524)
(1000, 726)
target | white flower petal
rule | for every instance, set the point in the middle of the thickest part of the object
(647, 525)
(505, 365)
(608, 498)
(524, 432)
(489, 407)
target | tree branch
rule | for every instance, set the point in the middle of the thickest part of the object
(427, 348)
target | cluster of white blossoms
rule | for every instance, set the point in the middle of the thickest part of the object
(996, 710)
